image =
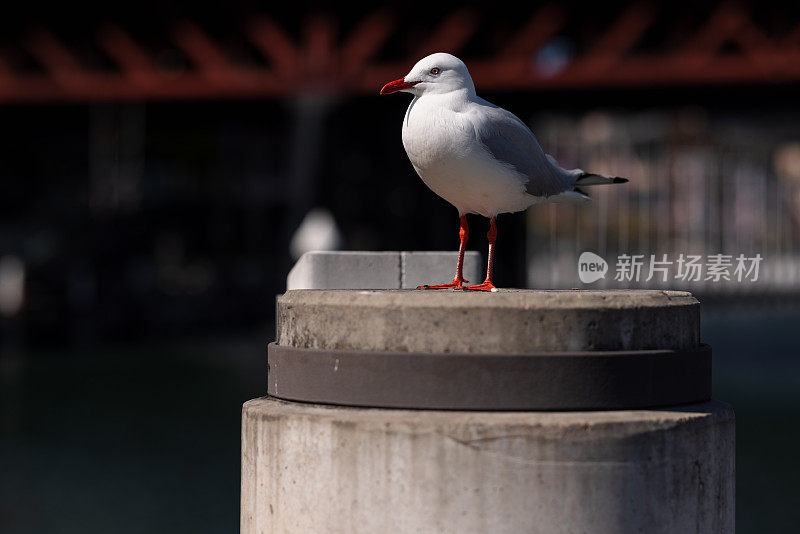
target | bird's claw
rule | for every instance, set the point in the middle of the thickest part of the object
(486, 286)
(455, 284)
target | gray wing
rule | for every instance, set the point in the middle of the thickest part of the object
(512, 143)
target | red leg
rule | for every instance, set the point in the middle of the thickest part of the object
(487, 284)
(458, 280)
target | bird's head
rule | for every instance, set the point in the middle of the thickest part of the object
(435, 74)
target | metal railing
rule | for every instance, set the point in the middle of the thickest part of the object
(721, 189)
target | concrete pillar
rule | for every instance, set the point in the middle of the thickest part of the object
(325, 468)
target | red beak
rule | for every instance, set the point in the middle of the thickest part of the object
(397, 85)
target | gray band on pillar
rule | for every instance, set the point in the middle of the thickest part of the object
(588, 380)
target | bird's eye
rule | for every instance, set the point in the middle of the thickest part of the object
(435, 70)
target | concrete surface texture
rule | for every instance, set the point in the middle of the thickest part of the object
(508, 322)
(325, 469)
(332, 469)
(379, 270)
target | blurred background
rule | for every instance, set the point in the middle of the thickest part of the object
(163, 163)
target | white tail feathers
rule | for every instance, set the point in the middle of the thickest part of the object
(569, 197)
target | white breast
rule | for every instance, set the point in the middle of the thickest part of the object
(440, 141)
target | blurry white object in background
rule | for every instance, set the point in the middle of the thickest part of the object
(377, 270)
(787, 161)
(318, 231)
(12, 285)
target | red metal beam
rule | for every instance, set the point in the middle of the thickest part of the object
(541, 27)
(320, 58)
(61, 65)
(363, 44)
(319, 61)
(272, 41)
(611, 48)
(728, 24)
(133, 61)
(208, 57)
(6, 73)
(451, 34)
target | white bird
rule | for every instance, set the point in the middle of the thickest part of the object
(477, 156)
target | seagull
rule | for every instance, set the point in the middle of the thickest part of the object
(477, 156)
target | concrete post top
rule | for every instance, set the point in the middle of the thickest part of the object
(511, 321)
(590, 424)
(528, 299)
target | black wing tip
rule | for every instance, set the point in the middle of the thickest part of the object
(600, 179)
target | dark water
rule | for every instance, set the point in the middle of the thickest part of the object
(135, 440)
(146, 439)
(757, 370)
